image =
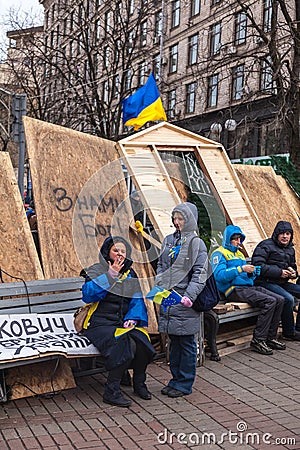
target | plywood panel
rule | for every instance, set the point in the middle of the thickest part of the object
(39, 378)
(79, 192)
(239, 210)
(272, 199)
(18, 255)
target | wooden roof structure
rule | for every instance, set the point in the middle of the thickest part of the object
(140, 153)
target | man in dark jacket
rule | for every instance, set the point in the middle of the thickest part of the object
(276, 256)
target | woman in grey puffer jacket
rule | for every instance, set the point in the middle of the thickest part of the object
(182, 266)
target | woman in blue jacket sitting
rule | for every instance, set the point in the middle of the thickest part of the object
(116, 319)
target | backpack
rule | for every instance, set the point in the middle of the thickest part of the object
(210, 296)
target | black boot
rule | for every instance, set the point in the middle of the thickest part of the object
(113, 396)
(139, 386)
(126, 379)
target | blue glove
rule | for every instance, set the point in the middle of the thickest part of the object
(257, 270)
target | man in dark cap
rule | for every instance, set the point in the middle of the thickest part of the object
(276, 256)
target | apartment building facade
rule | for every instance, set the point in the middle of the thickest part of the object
(211, 60)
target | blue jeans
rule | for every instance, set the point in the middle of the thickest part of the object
(288, 291)
(183, 361)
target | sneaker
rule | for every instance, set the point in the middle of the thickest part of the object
(175, 393)
(260, 347)
(275, 344)
(165, 390)
(292, 337)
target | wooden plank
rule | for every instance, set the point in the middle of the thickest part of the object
(18, 255)
(47, 377)
(218, 169)
(156, 189)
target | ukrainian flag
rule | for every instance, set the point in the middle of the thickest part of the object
(144, 105)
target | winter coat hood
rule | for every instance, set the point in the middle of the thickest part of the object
(93, 271)
(190, 213)
(105, 249)
(229, 231)
(282, 227)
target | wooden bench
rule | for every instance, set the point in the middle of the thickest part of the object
(54, 296)
(224, 313)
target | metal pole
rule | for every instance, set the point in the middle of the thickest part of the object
(19, 110)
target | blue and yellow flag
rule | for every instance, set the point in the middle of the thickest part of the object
(144, 105)
(164, 297)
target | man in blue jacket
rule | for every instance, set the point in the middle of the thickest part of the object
(235, 279)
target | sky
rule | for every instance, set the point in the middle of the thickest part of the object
(32, 7)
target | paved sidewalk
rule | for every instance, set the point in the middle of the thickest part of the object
(256, 397)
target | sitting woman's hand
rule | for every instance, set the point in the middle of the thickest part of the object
(129, 323)
(186, 302)
(116, 266)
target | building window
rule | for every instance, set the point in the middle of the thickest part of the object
(130, 44)
(115, 87)
(240, 28)
(266, 76)
(190, 98)
(158, 24)
(212, 92)
(215, 38)
(171, 104)
(173, 58)
(193, 49)
(97, 29)
(106, 57)
(238, 82)
(156, 67)
(175, 17)
(131, 7)
(107, 21)
(195, 7)
(267, 14)
(141, 73)
(128, 78)
(105, 91)
(143, 33)
(119, 12)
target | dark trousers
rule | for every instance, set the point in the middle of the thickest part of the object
(183, 361)
(138, 364)
(288, 291)
(271, 305)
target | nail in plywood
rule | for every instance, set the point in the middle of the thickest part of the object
(18, 254)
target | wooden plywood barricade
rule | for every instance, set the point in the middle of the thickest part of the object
(141, 151)
(18, 255)
(80, 198)
(41, 378)
(78, 188)
(272, 199)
